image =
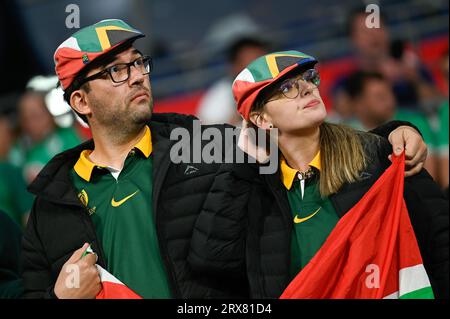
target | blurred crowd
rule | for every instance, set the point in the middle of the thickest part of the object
(387, 80)
(37, 127)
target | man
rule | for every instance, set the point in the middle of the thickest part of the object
(373, 51)
(411, 81)
(90, 194)
(120, 192)
(374, 103)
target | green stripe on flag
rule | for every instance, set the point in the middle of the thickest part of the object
(424, 293)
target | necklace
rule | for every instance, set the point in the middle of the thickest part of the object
(306, 174)
(302, 176)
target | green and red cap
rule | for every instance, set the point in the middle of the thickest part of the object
(265, 71)
(89, 43)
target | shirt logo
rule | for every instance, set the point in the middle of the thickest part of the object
(298, 220)
(83, 197)
(120, 202)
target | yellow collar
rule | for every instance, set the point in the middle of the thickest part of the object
(145, 143)
(288, 173)
(84, 166)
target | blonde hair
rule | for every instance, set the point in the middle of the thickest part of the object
(342, 157)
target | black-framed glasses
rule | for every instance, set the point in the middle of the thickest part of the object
(121, 72)
(291, 88)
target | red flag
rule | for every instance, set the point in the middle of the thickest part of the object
(371, 253)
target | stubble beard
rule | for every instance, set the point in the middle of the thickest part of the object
(122, 123)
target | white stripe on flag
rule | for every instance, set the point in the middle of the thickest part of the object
(411, 279)
(106, 276)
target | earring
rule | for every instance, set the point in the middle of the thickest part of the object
(270, 126)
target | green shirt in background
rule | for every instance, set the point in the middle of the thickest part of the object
(121, 210)
(15, 200)
(34, 158)
(442, 135)
(415, 117)
(421, 122)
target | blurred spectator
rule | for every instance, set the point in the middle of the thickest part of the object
(10, 242)
(217, 105)
(373, 103)
(40, 137)
(341, 110)
(374, 52)
(14, 198)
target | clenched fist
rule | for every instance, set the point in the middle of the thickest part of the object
(79, 278)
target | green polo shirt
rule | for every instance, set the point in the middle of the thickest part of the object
(120, 205)
(313, 217)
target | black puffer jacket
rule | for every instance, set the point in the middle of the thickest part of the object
(59, 224)
(264, 226)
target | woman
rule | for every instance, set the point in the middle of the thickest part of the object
(325, 169)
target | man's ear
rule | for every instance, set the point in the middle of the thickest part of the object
(79, 102)
(260, 120)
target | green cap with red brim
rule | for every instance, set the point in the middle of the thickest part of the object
(89, 43)
(263, 72)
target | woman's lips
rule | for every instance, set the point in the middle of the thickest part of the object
(312, 103)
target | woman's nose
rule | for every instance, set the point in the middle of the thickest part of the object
(307, 89)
